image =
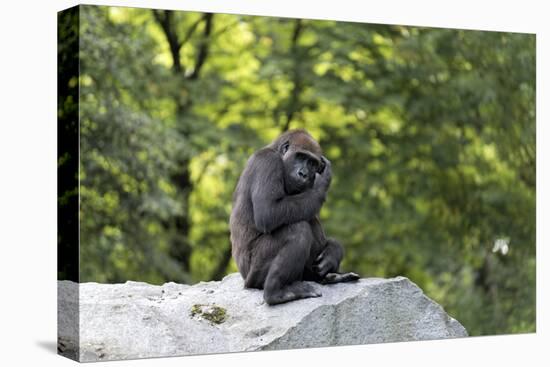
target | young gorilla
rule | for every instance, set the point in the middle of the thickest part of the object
(277, 238)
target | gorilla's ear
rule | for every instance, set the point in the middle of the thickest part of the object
(284, 147)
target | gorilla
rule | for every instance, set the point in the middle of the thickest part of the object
(276, 236)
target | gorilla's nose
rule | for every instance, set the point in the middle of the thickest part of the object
(302, 174)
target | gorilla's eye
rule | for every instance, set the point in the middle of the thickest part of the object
(285, 147)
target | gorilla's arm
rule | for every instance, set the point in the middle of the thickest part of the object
(272, 207)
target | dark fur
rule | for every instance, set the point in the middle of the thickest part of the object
(277, 238)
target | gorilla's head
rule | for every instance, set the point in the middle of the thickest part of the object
(302, 159)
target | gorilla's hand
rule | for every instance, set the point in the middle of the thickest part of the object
(324, 176)
(325, 263)
(332, 278)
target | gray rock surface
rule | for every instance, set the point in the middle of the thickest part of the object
(138, 320)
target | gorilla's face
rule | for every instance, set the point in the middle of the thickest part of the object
(301, 167)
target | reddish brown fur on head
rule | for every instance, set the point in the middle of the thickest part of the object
(299, 140)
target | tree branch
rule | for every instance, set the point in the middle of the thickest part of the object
(190, 32)
(164, 19)
(204, 47)
(225, 29)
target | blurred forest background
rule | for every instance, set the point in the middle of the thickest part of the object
(431, 133)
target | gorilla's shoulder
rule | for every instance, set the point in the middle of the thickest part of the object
(264, 155)
(265, 160)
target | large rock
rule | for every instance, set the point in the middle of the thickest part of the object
(138, 320)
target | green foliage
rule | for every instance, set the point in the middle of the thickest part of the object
(431, 133)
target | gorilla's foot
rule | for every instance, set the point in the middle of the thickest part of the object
(292, 292)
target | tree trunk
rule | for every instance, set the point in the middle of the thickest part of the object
(180, 248)
(294, 99)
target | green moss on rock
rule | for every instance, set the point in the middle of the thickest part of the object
(214, 314)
